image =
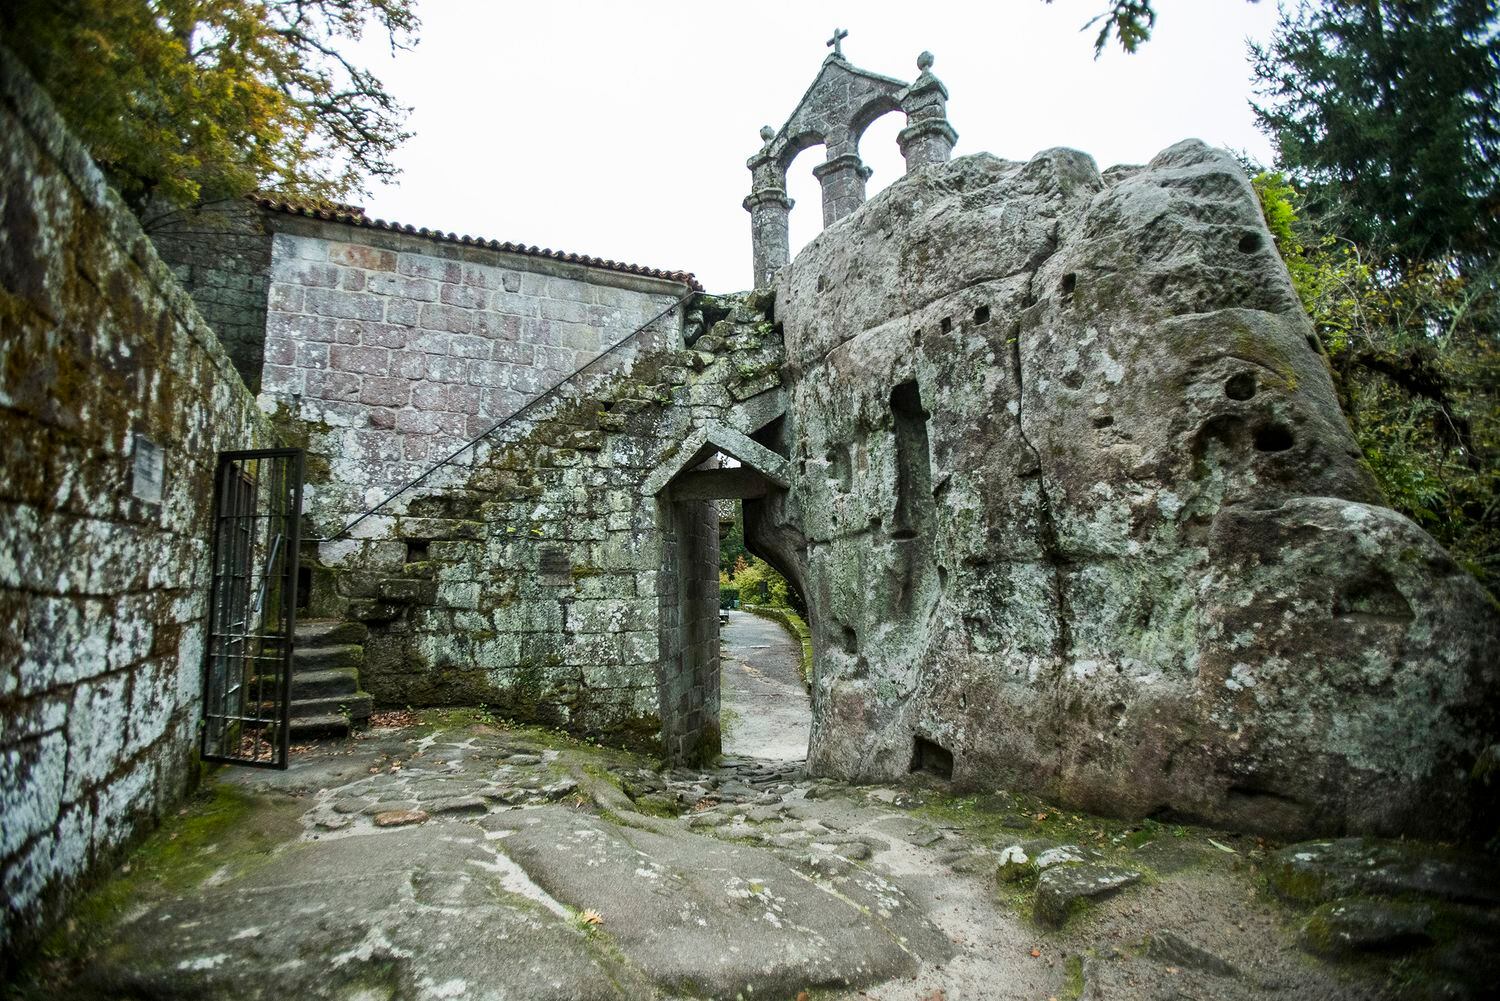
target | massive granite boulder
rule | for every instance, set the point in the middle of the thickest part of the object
(1076, 505)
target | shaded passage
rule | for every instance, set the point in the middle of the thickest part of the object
(766, 711)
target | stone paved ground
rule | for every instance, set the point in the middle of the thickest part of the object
(456, 858)
(766, 709)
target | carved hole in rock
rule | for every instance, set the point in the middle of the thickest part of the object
(416, 550)
(849, 639)
(304, 587)
(840, 469)
(1373, 597)
(1249, 243)
(1273, 438)
(1069, 283)
(914, 504)
(1117, 711)
(982, 314)
(1312, 342)
(1104, 421)
(1240, 386)
(947, 325)
(932, 758)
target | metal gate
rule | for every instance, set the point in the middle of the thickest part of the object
(247, 673)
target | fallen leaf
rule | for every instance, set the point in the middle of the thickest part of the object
(1173, 969)
(803, 996)
(591, 917)
(1036, 953)
(1222, 848)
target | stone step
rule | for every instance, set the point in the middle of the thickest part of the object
(330, 632)
(332, 681)
(357, 707)
(320, 658)
(327, 725)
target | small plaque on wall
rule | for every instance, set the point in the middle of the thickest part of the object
(150, 469)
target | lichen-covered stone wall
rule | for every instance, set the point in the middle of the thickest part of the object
(103, 587)
(221, 254)
(1079, 506)
(387, 351)
(542, 578)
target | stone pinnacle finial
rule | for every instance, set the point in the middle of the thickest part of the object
(767, 133)
(837, 42)
(925, 61)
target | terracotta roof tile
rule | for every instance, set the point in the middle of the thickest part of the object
(351, 215)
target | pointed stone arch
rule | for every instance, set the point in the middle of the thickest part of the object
(835, 111)
(718, 438)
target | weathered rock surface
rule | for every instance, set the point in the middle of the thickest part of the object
(1062, 889)
(1318, 871)
(327, 920)
(1080, 514)
(703, 917)
(1352, 926)
(272, 887)
(1173, 947)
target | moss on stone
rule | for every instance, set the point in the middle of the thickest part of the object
(221, 829)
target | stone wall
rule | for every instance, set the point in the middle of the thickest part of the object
(689, 630)
(387, 351)
(1074, 501)
(221, 254)
(103, 586)
(543, 578)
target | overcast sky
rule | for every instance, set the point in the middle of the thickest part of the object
(621, 129)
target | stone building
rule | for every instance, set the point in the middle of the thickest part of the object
(1052, 453)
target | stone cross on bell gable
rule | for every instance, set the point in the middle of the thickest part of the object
(842, 101)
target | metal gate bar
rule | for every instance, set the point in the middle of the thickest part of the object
(247, 674)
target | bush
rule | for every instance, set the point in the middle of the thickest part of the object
(729, 596)
(759, 583)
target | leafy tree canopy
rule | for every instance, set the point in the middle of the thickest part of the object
(190, 101)
(1387, 115)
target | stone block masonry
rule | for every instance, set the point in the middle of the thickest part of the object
(544, 580)
(104, 564)
(222, 255)
(387, 351)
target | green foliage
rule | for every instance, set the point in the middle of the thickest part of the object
(184, 102)
(1387, 115)
(754, 577)
(732, 543)
(1129, 21)
(1415, 357)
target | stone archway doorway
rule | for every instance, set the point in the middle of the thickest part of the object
(716, 463)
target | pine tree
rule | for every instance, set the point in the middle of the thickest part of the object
(1387, 114)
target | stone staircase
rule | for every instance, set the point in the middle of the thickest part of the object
(326, 697)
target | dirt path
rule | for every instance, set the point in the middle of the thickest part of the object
(766, 712)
